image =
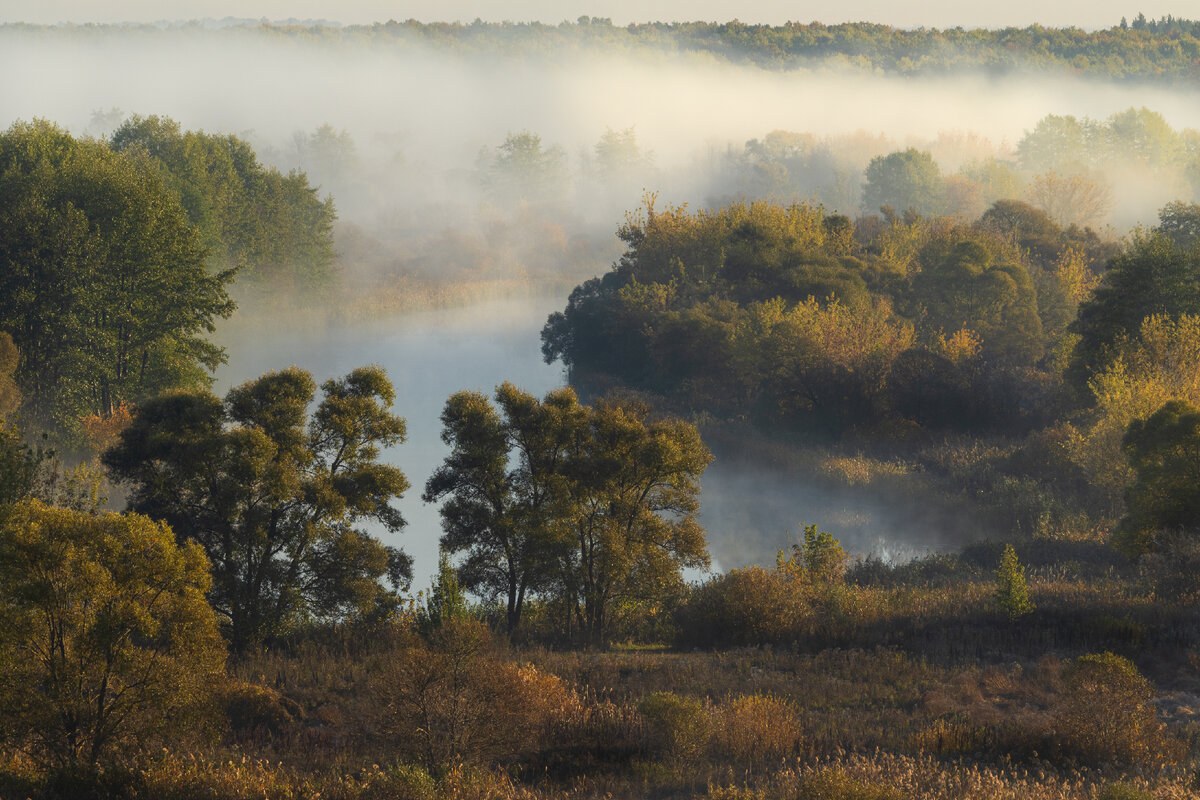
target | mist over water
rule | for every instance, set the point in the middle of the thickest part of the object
(420, 122)
(750, 510)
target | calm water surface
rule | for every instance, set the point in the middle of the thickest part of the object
(750, 510)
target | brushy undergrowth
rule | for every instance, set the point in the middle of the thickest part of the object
(907, 681)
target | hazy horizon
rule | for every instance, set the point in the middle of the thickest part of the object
(928, 13)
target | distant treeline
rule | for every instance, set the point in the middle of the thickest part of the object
(1144, 49)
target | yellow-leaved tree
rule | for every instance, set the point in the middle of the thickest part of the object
(1161, 363)
(106, 639)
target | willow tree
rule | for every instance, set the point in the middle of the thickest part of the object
(505, 489)
(634, 487)
(589, 506)
(275, 496)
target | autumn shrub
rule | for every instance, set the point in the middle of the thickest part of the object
(106, 642)
(455, 699)
(743, 606)
(1095, 709)
(678, 728)
(255, 711)
(1106, 714)
(102, 431)
(757, 730)
(1153, 363)
(553, 710)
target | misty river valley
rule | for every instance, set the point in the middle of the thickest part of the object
(599, 408)
(751, 507)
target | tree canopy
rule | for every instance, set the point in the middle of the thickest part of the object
(522, 170)
(1164, 451)
(103, 285)
(505, 488)
(905, 180)
(593, 507)
(790, 314)
(1152, 276)
(274, 495)
(105, 635)
(1162, 50)
(274, 229)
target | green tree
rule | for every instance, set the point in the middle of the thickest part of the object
(273, 494)
(274, 228)
(634, 496)
(618, 155)
(1181, 222)
(1144, 135)
(445, 602)
(329, 158)
(504, 487)
(1056, 142)
(819, 558)
(1031, 228)
(105, 635)
(905, 180)
(1153, 276)
(523, 170)
(1161, 363)
(102, 280)
(1164, 451)
(969, 282)
(1012, 593)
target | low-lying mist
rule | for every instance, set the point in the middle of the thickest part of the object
(751, 507)
(462, 167)
(419, 124)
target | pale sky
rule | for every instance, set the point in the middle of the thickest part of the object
(1088, 14)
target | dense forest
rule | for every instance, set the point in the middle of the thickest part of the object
(1166, 48)
(207, 588)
